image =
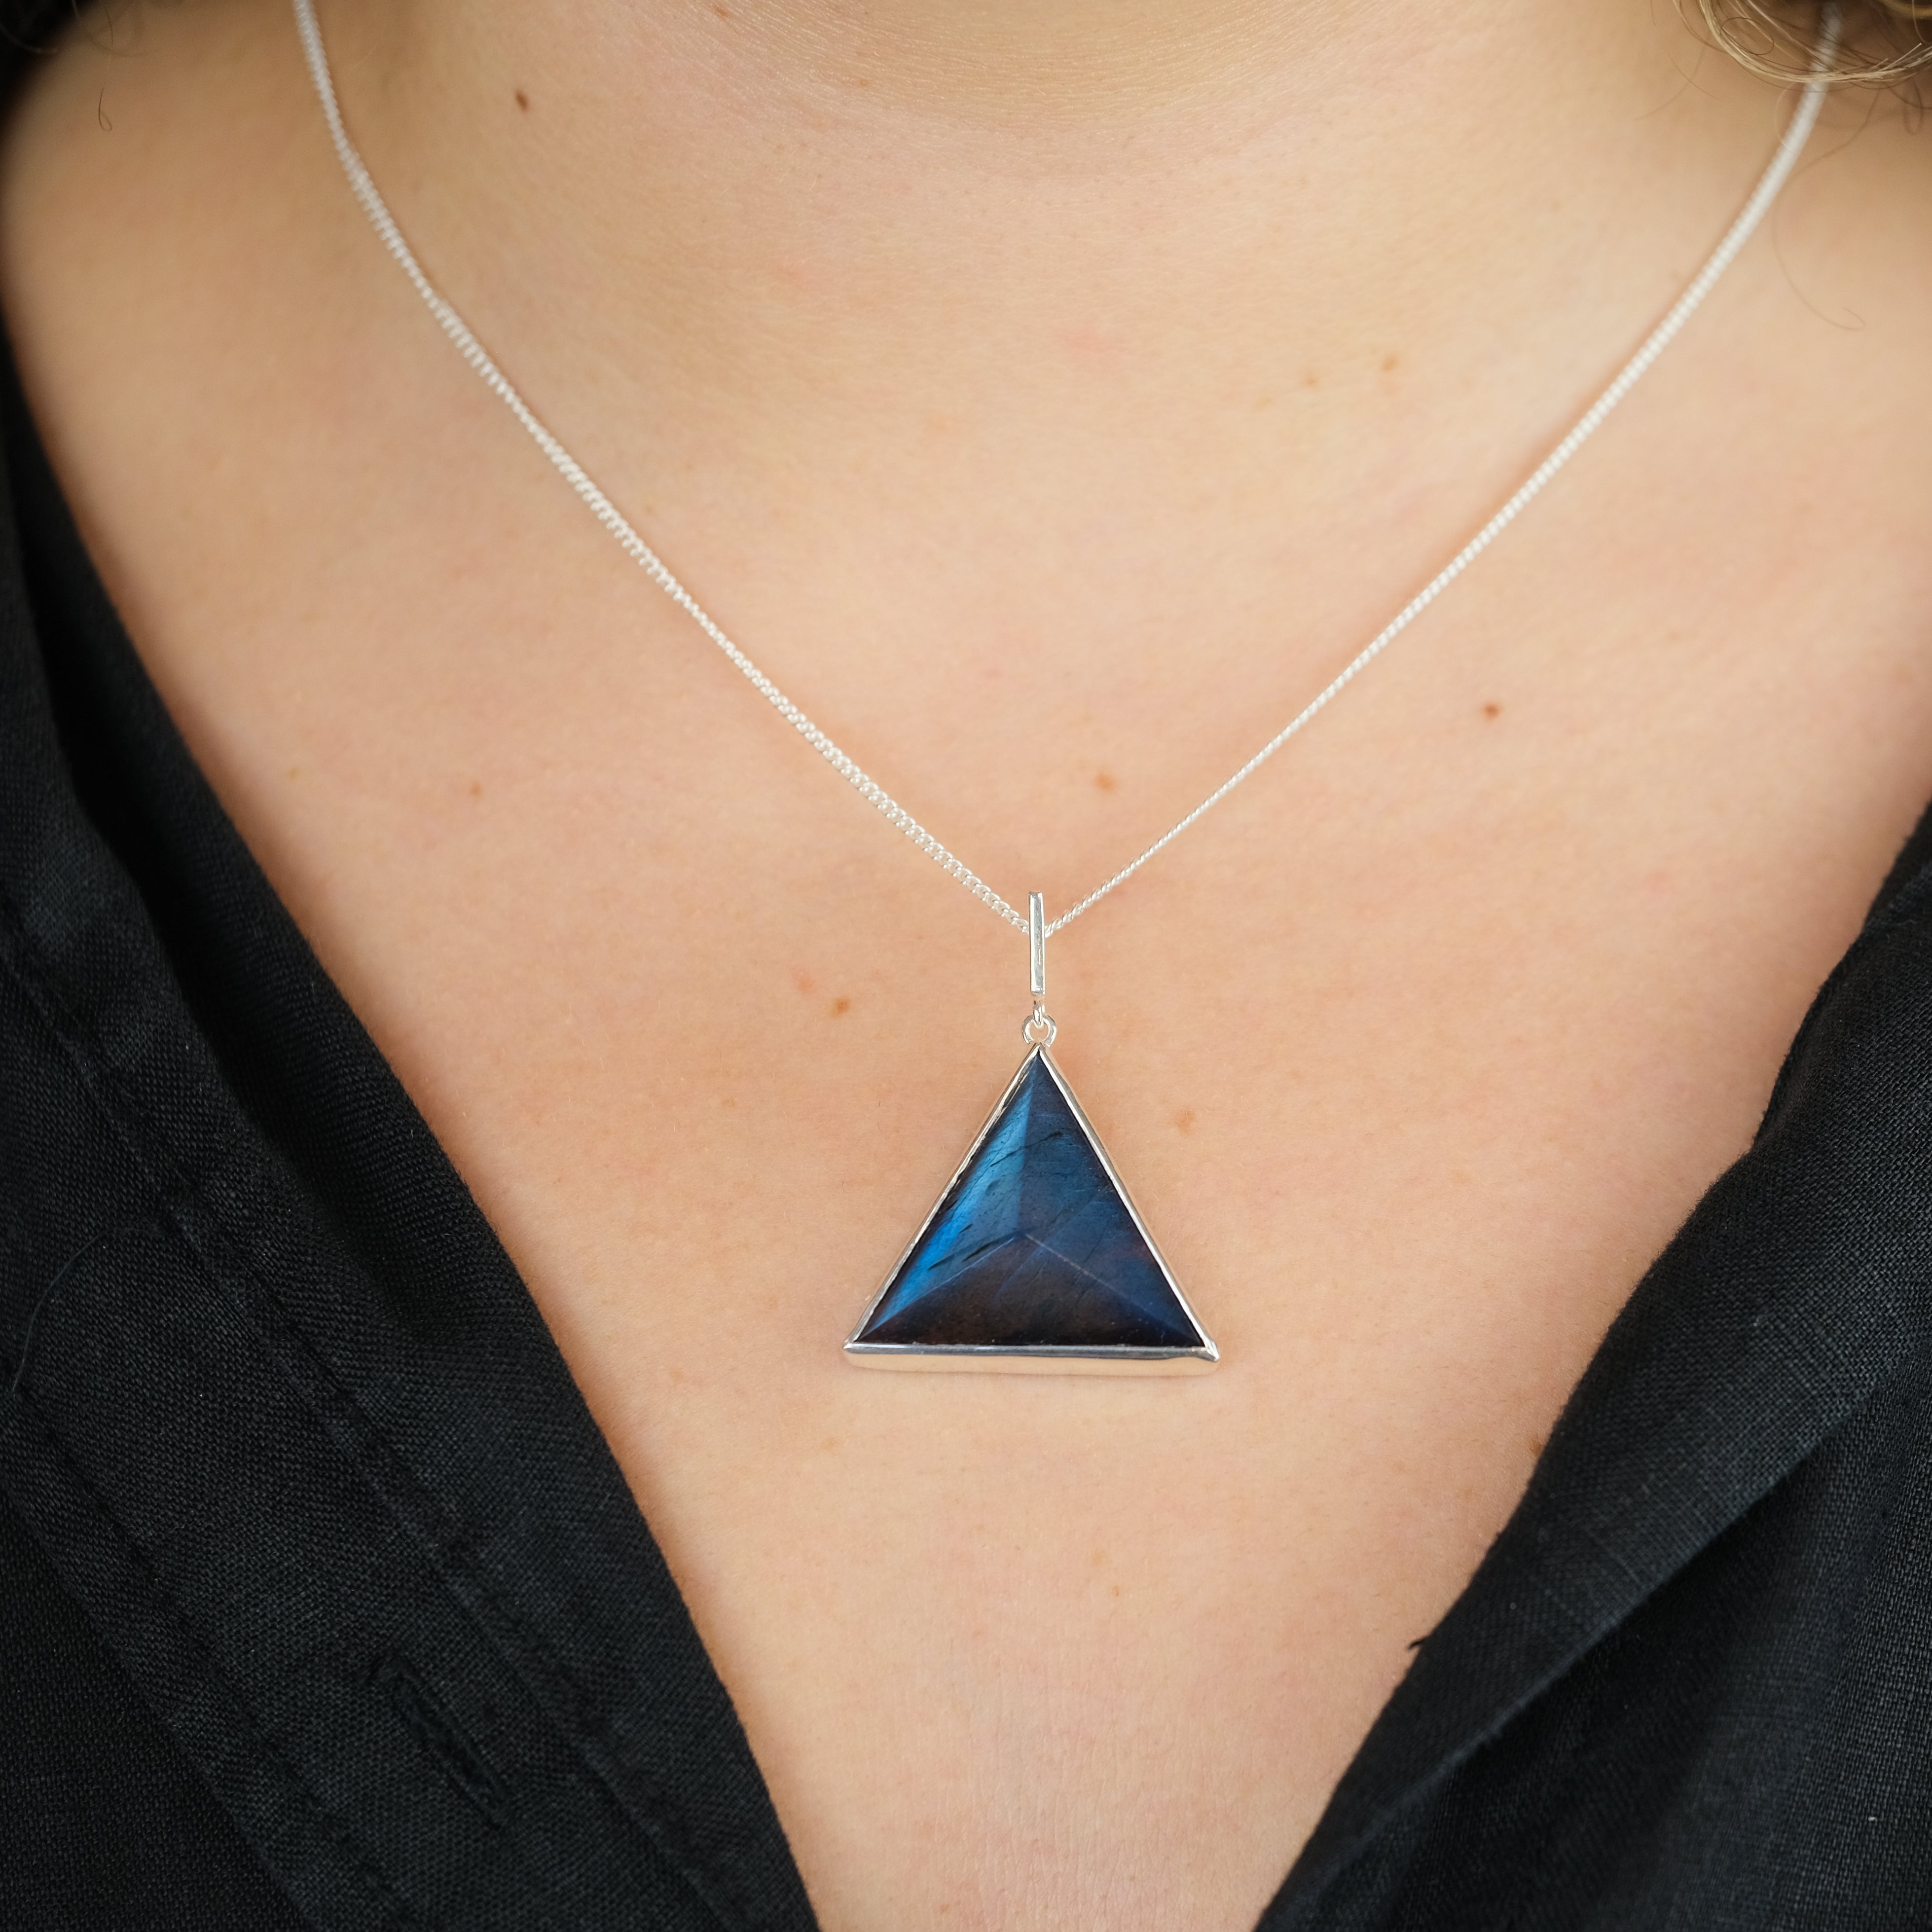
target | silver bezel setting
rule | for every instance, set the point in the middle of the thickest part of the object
(1046, 1361)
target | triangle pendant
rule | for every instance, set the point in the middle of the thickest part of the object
(1033, 1258)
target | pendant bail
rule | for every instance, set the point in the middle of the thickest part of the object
(1039, 1030)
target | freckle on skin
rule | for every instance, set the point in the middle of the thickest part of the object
(1184, 1119)
(841, 1005)
(522, 100)
(1389, 362)
(1536, 1444)
(295, 772)
(1263, 402)
(475, 787)
(830, 1443)
(1492, 710)
(801, 979)
(1311, 381)
(1104, 781)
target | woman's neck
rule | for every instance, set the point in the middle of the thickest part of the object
(1234, 232)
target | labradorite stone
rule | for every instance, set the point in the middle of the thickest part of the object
(1032, 1247)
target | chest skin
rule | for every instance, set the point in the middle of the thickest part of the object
(1413, 1054)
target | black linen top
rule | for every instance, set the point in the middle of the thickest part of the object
(323, 1604)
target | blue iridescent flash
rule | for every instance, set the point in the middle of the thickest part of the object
(1033, 1246)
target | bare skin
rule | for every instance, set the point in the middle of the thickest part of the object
(1052, 397)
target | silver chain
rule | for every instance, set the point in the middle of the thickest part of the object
(640, 552)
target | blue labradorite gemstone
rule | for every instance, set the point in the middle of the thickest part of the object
(1032, 1247)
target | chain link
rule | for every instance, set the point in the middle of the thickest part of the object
(640, 552)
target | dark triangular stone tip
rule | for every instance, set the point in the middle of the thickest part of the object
(1033, 1251)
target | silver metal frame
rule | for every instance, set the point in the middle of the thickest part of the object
(1052, 1360)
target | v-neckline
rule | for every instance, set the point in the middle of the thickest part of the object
(330, 1268)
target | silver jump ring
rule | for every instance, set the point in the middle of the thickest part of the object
(1039, 1030)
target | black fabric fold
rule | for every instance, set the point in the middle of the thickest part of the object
(1797, 1289)
(276, 1405)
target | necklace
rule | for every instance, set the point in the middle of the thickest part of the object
(1034, 1257)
